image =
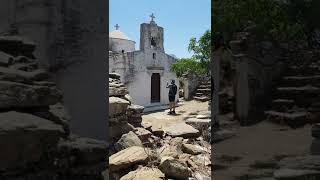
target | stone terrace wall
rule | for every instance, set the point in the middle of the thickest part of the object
(257, 66)
(35, 139)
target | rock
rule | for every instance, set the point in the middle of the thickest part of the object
(286, 174)
(202, 159)
(173, 168)
(222, 135)
(115, 131)
(143, 134)
(28, 67)
(168, 151)
(182, 130)
(17, 95)
(128, 140)
(117, 106)
(25, 138)
(204, 115)
(192, 149)
(17, 45)
(199, 124)
(5, 59)
(128, 157)
(84, 150)
(128, 98)
(56, 113)
(14, 75)
(144, 173)
(117, 90)
(135, 109)
(114, 76)
(157, 131)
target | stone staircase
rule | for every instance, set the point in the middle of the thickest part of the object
(296, 98)
(203, 91)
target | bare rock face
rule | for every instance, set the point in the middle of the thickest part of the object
(128, 157)
(144, 173)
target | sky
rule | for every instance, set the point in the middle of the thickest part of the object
(181, 20)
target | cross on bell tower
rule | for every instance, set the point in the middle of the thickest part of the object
(117, 26)
(152, 17)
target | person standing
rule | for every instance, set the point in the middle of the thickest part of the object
(172, 96)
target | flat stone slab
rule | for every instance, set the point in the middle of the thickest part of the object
(128, 157)
(18, 95)
(144, 173)
(25, 138)
(192, 149)
(199, 124)
(182, 130)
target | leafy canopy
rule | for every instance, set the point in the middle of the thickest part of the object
(199, 63)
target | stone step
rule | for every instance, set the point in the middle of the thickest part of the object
(294, 119)
(282, 105)
(201, 98)
(305, 94)
(301, 80)
(303, 70)
(204, 86)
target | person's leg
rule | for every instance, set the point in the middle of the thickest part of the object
(174, 106)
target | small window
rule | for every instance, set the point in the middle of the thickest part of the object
(153, 42)
(122, 51)
(154, 55)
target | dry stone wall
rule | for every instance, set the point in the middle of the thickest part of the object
(35, 139)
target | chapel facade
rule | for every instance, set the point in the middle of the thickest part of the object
(146, 71)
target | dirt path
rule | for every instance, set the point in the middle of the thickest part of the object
(162, 119)
(261, 142)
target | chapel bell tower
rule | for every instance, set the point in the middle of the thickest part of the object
(151, 36)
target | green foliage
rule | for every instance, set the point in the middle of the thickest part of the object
(271, 18)
(187, 65)
(199, 63)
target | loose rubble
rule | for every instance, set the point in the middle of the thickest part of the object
(140, 150)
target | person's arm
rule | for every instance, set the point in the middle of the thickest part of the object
(167, 85)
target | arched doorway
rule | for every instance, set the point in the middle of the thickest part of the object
(155, 87)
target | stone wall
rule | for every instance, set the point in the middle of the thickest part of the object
(190, 84)
(258, 65)
(71, 38)
(35, 138)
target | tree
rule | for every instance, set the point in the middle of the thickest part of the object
(199, 63)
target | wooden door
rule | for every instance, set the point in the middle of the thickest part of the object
(155, 87)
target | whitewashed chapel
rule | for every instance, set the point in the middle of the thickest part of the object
(146, 71)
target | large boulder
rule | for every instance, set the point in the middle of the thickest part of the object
(144, 173)
(182, 130)
(173, 168)
(192, 149)
(25, 139)
(117, 106)
(18, 95)
(128, 140)
(128, 157)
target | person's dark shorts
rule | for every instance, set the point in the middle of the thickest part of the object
(172, 98)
